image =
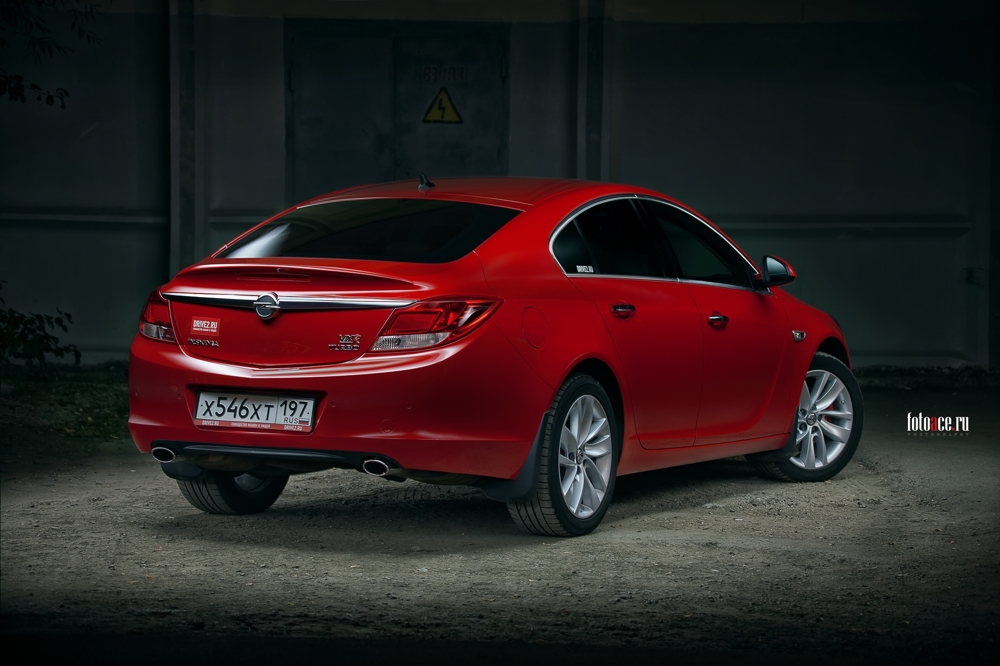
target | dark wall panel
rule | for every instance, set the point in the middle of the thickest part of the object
(359, 91)
(827, 118)
(84, 190)
(99, 272)
(108, 148)
(543, 99)
(451, 103)
(341, 82)
(859, 152)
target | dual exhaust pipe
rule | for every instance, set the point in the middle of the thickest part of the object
(370, 466)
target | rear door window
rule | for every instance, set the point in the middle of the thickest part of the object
(411, 230)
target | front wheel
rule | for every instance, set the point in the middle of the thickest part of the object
(579, 461)
(233, 494)
(827, 427)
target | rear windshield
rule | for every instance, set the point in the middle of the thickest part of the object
(415, 230)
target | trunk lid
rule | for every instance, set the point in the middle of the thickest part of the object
(269, 312)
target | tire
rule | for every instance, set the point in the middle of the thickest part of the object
(232, 494)
(826, 438)
(586, 473)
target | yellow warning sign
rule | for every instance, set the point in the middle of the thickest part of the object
(442, 109)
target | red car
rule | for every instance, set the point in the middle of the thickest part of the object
(532, 337)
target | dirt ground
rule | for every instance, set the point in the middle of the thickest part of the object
(896, 557)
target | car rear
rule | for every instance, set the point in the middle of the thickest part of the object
(340, 332)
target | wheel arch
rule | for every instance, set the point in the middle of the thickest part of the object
(605, 376)
(836, 349)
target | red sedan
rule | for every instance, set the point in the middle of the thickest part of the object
(532, 337)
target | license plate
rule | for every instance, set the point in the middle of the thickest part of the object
(254, 412)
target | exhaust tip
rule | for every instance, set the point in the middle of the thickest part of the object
(375, 467)
(163, 454)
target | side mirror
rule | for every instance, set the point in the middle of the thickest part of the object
(776, 271)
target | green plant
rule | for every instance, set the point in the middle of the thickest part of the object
(28, 337)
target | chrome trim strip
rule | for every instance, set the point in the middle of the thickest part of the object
(569, 218)
(591, 276)
(707, 225)
(220, 300)
(312, 303)
(726, 286)
(287, 302)
(590, 204)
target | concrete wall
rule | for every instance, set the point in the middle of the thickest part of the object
(84, 191)
(543, 99)
(860, 152)
(244, 139)
(853, 140)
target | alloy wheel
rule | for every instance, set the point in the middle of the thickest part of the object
(585, 448)
(825, 417)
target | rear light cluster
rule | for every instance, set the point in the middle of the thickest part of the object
(155, 320)
(433, 323)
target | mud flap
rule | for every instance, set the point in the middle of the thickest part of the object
(522, 487)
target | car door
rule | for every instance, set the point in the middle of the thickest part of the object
(608, 250)
(745, 331)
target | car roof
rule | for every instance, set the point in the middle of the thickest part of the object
(509, 192)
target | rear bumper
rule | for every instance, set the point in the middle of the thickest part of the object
(467, 408)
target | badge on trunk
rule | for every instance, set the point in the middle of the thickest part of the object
(267, 306)
(205, 325)
(348, 342)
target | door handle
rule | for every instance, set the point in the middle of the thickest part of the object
(622, 310)
(718, 319)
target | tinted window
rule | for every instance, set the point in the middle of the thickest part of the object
(701, 253)
(415, 230)
(618, 240)
(571, 252)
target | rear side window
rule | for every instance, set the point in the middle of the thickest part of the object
(571, 252)
(619, 241)
(412, 230)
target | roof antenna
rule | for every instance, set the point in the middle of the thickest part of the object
(424, 184)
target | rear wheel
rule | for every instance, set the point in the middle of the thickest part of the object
(233, 494)
(579, 461)
(827, 426)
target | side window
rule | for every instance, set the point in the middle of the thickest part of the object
(618, 240)
(701, 253)
(571, 252)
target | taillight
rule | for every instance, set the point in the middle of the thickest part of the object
(155, 320)
(433, 323)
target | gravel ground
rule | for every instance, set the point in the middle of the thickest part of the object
(895, 558)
